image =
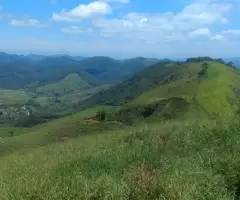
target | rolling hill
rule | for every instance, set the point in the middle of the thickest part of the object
(169, 132)
(208, 83)
(71, 83)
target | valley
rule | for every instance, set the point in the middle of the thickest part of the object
(51, 87)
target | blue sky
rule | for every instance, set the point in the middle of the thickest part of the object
(121, 28)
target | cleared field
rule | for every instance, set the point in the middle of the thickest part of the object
(9, 97)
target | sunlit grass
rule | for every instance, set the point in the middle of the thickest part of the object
(184, 160)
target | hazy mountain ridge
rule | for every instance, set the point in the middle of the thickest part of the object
(18, 71)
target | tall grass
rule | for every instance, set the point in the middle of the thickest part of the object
(175, 160)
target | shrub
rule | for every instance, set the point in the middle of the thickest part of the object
(101, 115)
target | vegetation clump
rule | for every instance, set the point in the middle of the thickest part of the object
(101, 115)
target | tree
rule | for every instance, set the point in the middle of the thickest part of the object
(148, 111)
(11, 133)
(101, 115)
(205, 65)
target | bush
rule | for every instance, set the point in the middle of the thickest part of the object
(101, 115)
(148, 111)
(11, 133)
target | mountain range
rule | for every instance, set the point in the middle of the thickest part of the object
(19, 71)
(58, 83)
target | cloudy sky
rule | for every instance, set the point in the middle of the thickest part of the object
(121, 28)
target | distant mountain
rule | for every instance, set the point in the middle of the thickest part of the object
(236, 61)
(110, 70)
(35, 57)
(41, 57)
(18, 71)
(4, 57)
(78, 58)
(71, 83)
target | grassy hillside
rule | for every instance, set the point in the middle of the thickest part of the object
(80, 95)
(177, 160)
(69, 84)
(173, 134)
(130, 89)
(9, 131)
(209, 84)
(68, 127)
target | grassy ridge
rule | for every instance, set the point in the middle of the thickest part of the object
(215, 93)
(180, 88)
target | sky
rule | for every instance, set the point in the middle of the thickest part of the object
(121, 28)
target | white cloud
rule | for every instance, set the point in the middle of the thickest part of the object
(84, 11)
(232, 32)
(198, 14)
(189, 32)
(219, 37)
(26, 23)
(77, 30)
(200, 32)
(165, 27)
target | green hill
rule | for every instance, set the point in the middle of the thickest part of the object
(69, 84)
(215, 92)
(210, 84)
(130, 89)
